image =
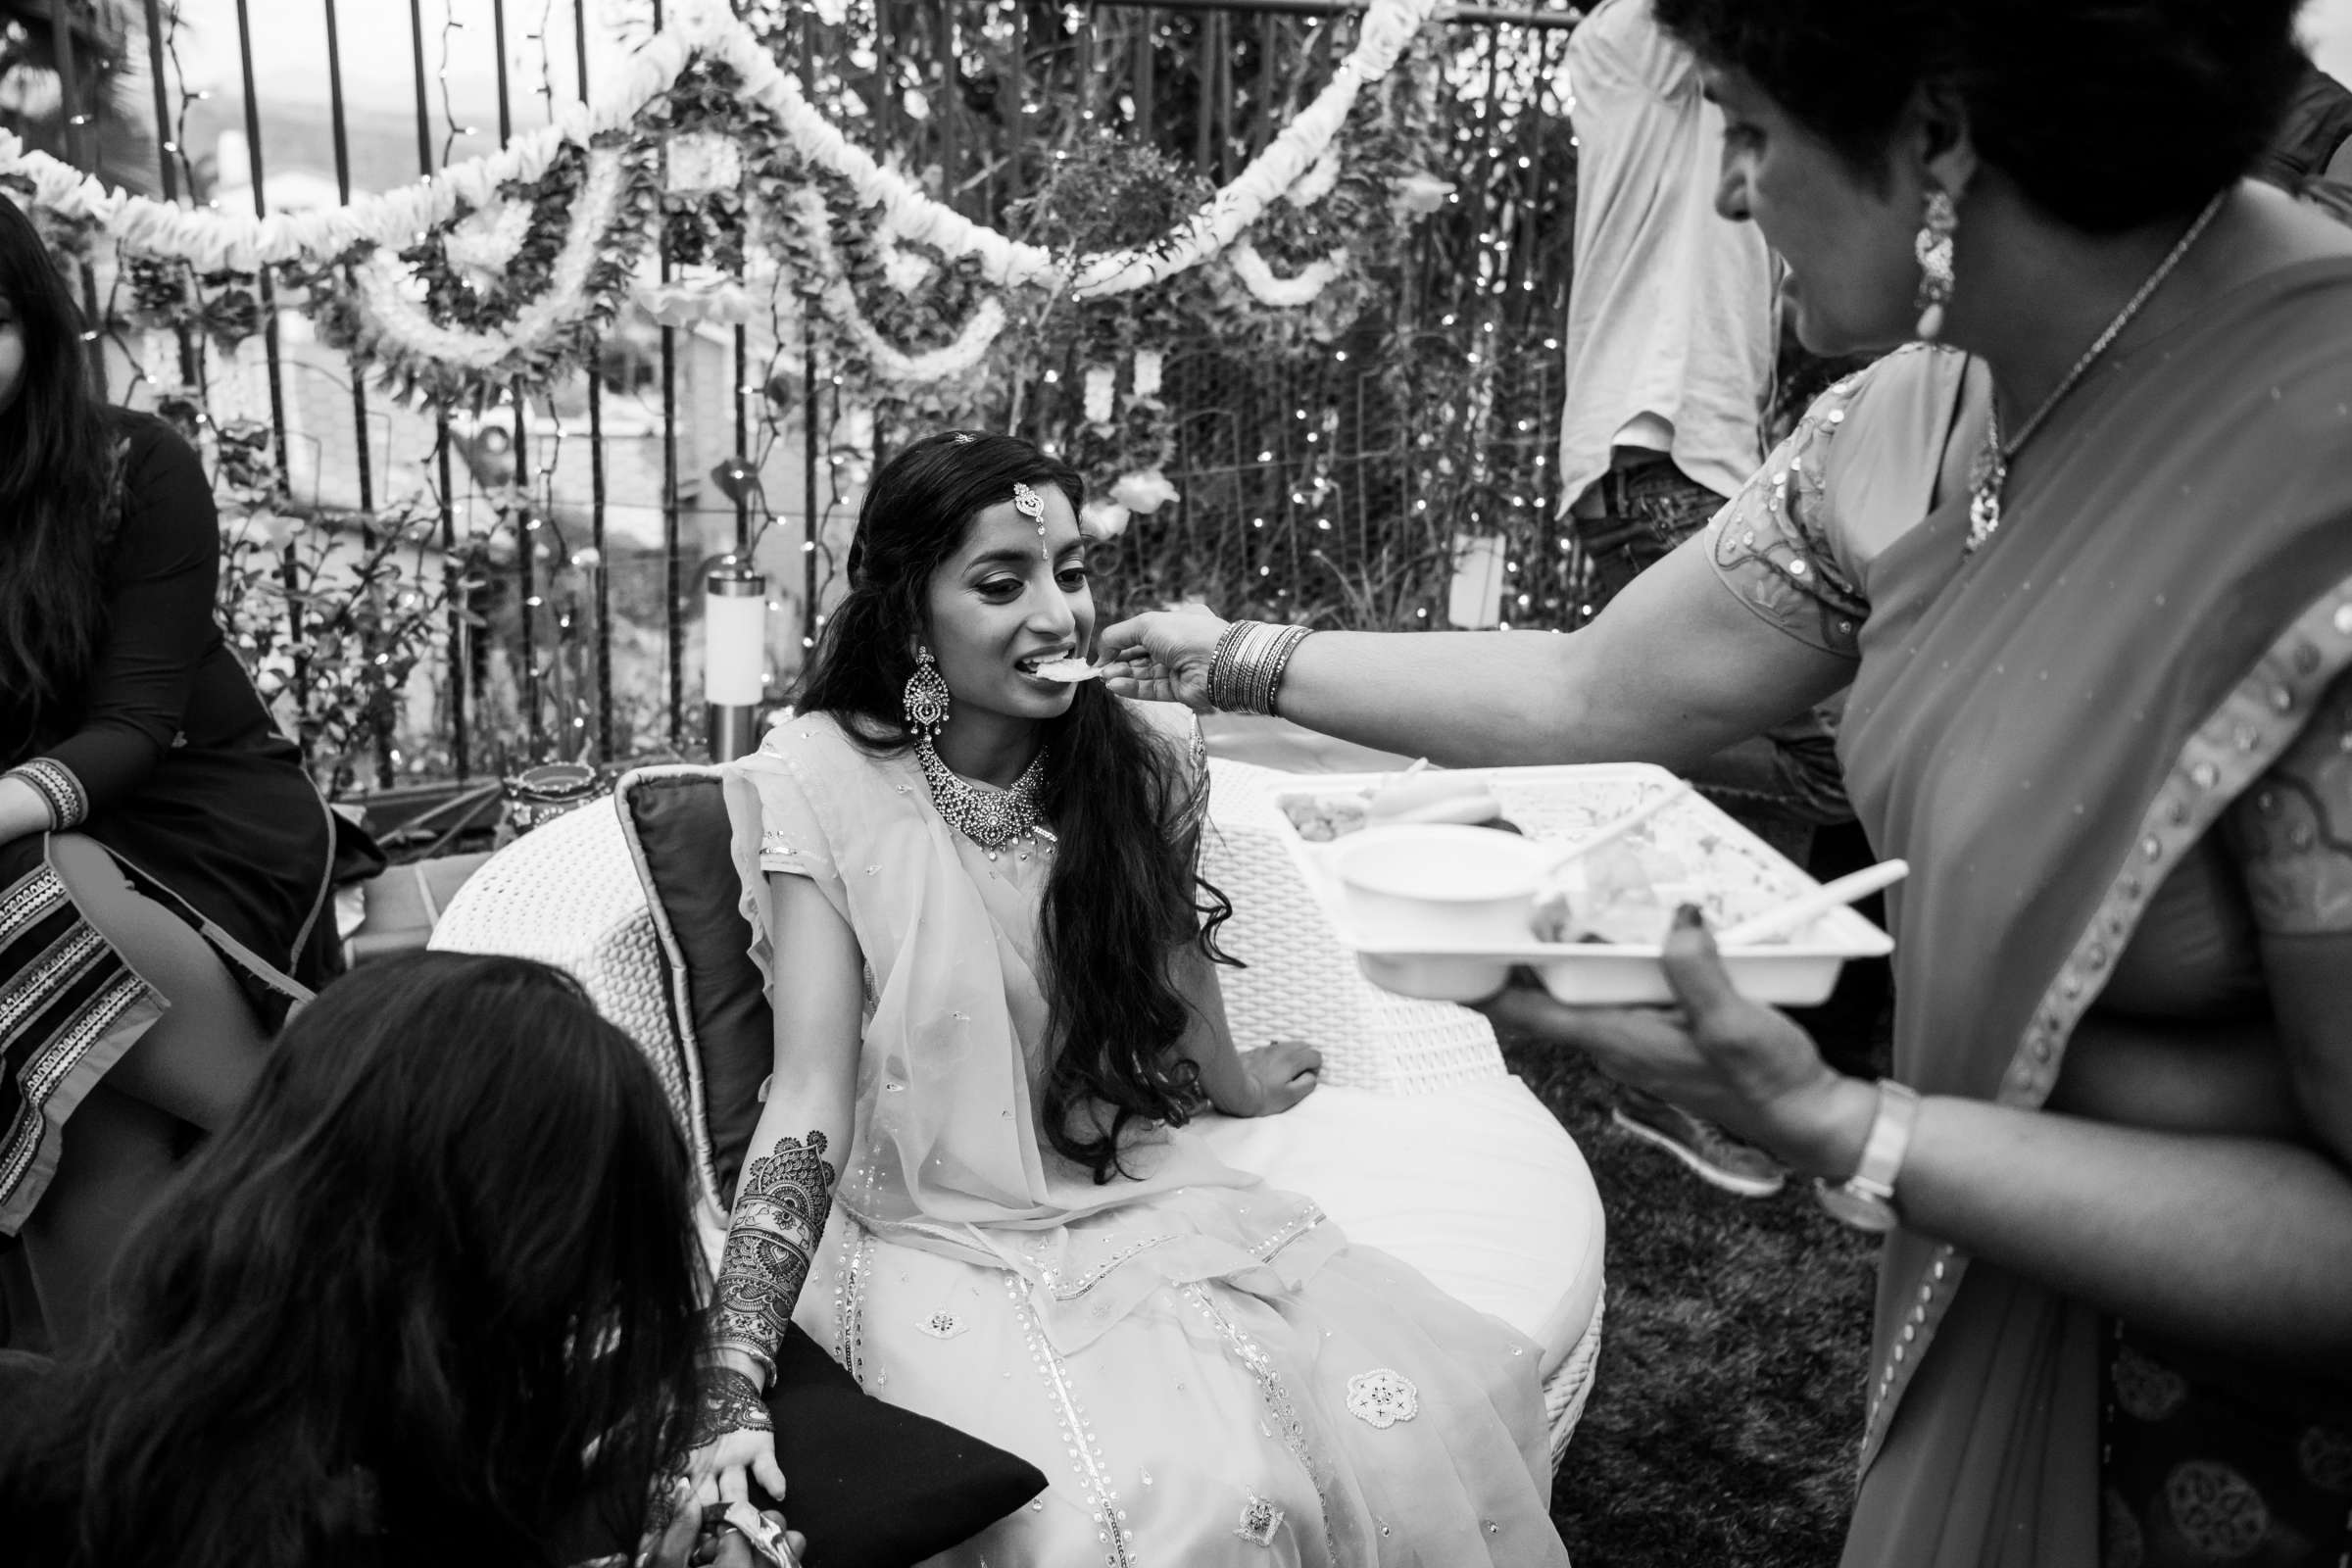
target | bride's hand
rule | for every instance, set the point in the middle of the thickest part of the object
(1285, 1073)
(1162, 657)
(733, 1442)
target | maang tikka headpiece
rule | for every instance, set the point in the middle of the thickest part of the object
(1027, 502)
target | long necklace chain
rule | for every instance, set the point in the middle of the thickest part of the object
(1991, 468)
(988, 818)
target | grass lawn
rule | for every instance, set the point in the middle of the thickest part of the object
(1728, 1402)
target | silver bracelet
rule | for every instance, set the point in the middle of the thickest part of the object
(1244, 673)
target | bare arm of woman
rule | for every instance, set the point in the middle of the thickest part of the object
(1673, 670)
(786, 1190)
(22, 810)
(1264, 1082)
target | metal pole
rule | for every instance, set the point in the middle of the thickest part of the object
(453, 579)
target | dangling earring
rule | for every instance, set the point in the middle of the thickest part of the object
(926, 696)
(1934, 247)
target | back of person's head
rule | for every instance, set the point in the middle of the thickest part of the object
(1120, 896)
(2107, 114)
(56, 475)
(434, 1290)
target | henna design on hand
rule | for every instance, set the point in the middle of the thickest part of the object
(730, 1402)
(780, 1211)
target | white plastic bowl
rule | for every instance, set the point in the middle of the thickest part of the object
(1439, 882)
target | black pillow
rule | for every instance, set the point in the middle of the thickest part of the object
(678, 817)
(873, 1486)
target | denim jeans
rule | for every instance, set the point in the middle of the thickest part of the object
(1782, 783)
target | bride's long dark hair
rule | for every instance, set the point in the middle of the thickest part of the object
(1124, 894)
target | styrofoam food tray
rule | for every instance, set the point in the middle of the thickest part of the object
(1736, 875)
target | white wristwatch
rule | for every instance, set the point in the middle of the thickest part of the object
(1866, 1199)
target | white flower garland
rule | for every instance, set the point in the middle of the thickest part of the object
(890, 362)
(1283, 293)
(388, 302)
(215, 241)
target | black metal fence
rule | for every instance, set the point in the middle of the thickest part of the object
(567, 523)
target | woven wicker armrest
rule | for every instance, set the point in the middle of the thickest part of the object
(1300, 982)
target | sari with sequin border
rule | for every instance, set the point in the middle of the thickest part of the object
(2044, 727)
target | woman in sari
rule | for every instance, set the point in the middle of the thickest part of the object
(2087, 567)
(971, 884)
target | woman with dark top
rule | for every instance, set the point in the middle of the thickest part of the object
(2087, 567)
(163, 858)
(431, 1298)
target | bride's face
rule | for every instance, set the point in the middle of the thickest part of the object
(1006, 602)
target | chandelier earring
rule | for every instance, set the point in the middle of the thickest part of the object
(1938, 220)
(925, 699)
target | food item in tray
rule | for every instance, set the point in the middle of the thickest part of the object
(1435, 798)
(1321, 819)
(1416, 798)
(1627, 896)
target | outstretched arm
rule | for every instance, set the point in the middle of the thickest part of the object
(1673, 670)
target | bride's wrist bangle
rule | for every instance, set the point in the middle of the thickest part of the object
(758, 1357)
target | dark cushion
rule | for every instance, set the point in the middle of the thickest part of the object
(873, 1486)
(678, 817)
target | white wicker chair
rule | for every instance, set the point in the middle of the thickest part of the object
(569, 893)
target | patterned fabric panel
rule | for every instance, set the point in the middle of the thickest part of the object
(2292, 833)
(1771, 547)
(62, 994)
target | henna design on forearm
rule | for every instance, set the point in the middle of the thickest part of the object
(780, 1210)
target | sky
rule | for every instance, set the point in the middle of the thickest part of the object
(378, 48)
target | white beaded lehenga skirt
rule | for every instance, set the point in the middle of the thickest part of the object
(1363, 1417)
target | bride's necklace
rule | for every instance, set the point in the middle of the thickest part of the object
(993, 821)
(1991, 471)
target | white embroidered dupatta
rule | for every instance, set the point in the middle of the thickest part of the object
(946, 1153)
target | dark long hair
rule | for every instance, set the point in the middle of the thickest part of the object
(1123, 897)
(57, 485)
(430, 1297)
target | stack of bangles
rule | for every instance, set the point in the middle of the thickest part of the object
(1246, 670)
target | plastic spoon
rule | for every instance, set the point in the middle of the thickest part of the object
(1554, 861)
(1798, 911)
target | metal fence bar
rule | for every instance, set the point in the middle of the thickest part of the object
(265, 286)
(456, 595)
(166, 158)
(672, 592)
(342, 141)
(166, 145)
(80, 152)
(602, 574)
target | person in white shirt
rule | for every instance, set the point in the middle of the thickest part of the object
(1673, 323)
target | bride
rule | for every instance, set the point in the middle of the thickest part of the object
(997, 1009)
